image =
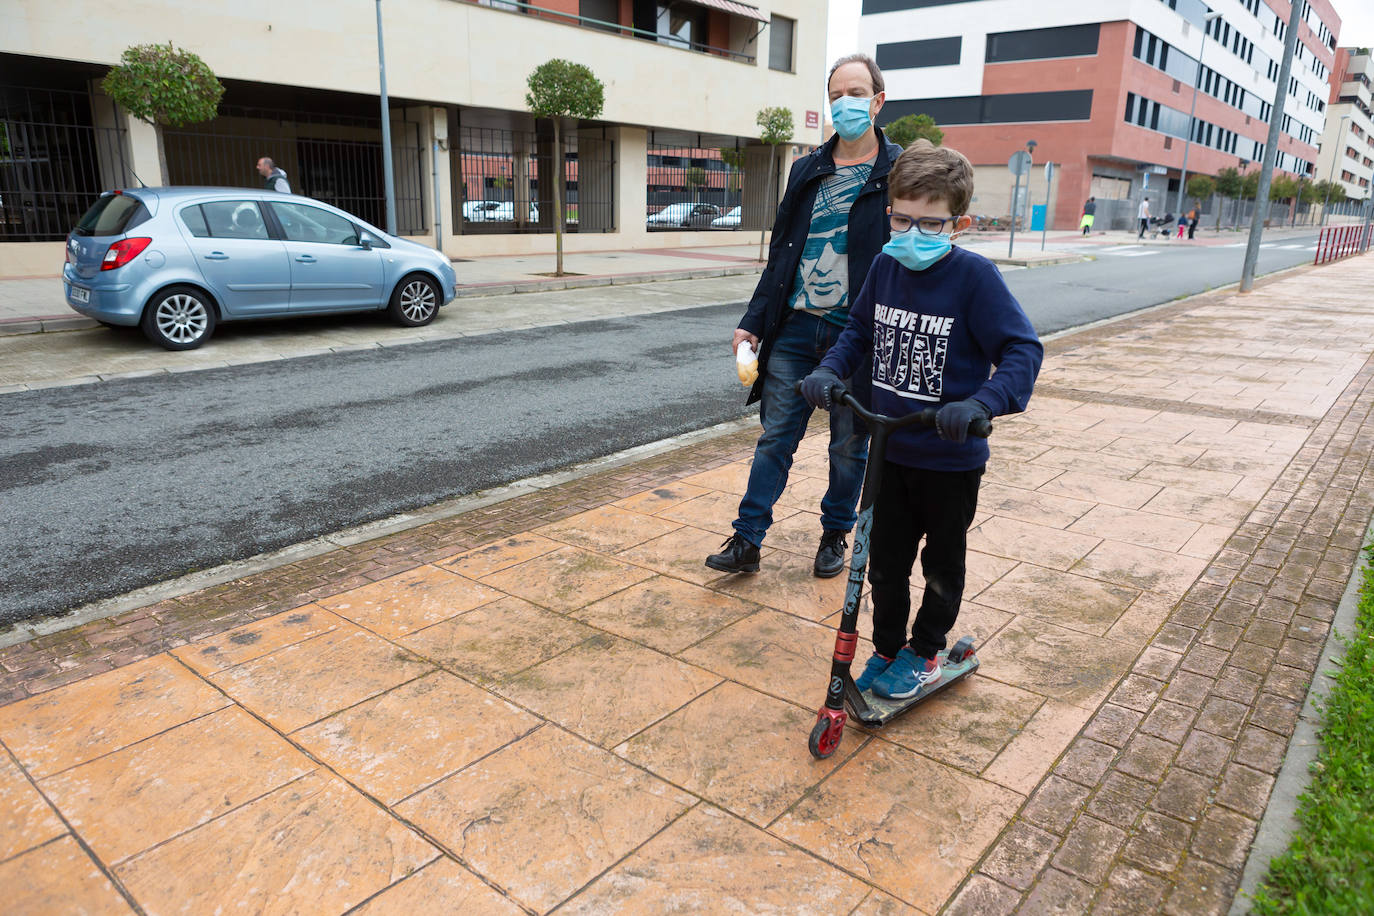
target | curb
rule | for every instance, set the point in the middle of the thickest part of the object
(1041, 262)
(24, 631)
(477, 291)
(13, 327)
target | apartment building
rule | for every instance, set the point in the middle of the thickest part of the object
(1105, 89)
(1347, 145)
(684, 81)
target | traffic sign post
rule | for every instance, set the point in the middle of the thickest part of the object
(1049, 185)
(1020, 164)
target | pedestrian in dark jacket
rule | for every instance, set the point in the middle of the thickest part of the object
(830, 225)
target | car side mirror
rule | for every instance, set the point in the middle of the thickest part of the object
(366, 241)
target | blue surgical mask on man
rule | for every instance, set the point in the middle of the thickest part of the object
(916, 251)
(850, 116)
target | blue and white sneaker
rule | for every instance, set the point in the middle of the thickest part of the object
(877, 664)
(908, 674)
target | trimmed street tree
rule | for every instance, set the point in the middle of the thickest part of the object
(163, 85)
(777, 128)
(909, 128)
(695, 178)
(1200, 188)
(1229, 187)
(562, 89)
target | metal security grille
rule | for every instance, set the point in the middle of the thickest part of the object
(337, 160)
(498, 186)
(54, 161)
(694, 188)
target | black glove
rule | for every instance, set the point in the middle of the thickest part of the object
(953, 420)
(817, 388)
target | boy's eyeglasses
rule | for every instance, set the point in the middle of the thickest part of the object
(926, 225)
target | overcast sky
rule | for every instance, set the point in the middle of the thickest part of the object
(1357, 25)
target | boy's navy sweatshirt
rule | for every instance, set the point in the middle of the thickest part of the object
(935, 335)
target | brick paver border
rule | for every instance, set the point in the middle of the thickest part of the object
(1154, 805)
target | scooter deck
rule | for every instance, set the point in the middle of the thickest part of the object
(882, 710)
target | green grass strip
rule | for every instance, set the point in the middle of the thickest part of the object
(1329, 866)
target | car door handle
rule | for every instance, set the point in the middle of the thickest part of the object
(305, 259)
(217, 256)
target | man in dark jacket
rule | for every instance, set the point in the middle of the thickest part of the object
(830, 225)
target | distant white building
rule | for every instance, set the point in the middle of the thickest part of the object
(1347, 145)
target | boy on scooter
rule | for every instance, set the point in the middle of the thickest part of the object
(936, 319)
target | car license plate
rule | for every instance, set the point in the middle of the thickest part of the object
(81, 294)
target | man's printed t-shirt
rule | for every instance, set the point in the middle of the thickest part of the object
(935, 335)
(821, 285)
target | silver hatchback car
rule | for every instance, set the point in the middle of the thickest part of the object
(177, 261)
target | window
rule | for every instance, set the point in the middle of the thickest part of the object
(111, 214)
(303, 223)
(195, 221)
(234, 219)
(780, 34)
(933, 52)
(681, 26)
(1043, 44)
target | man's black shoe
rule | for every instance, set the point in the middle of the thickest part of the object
(830, 555)
(736, 556)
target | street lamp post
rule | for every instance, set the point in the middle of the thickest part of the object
(1271, 152)
(1331, 172)
(1192, 111)
(387, 178)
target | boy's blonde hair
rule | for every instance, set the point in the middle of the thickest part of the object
(934, 172)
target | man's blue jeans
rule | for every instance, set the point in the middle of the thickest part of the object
(802, 343)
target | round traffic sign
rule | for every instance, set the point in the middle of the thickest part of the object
(1020, 162)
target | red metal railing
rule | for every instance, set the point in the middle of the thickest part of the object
(1342, 241)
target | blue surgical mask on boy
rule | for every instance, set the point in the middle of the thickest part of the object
(916, 251)
(850, 116)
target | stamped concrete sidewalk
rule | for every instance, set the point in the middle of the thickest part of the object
(550, 704)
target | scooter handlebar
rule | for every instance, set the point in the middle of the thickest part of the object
(981, 427)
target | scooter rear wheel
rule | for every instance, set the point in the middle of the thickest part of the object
(962, 650)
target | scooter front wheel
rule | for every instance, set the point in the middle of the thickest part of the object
(826, 733)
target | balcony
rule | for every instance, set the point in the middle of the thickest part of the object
(723, 28)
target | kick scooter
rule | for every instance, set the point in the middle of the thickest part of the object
(955, 664)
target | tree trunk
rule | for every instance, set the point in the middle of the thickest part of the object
(768, 197)
(557, 179)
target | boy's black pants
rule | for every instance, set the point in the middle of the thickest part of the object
(915, 503)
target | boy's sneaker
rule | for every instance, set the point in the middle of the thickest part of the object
(736, 556)
(877, 664)
(906, 676)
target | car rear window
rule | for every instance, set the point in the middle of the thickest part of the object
(112, 214)
(195, 221)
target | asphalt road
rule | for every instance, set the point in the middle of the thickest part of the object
(106, 488)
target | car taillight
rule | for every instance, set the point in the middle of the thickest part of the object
(123, 251)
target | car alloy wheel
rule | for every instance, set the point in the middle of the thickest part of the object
(415, 301)
(180, 318)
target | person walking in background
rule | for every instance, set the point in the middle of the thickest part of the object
(1143, 214)
(1182, 223)
(1193, 216)
(1089, 213)
(273, 177)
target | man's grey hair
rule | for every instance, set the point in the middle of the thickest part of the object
(270, 163)
(874, 73)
